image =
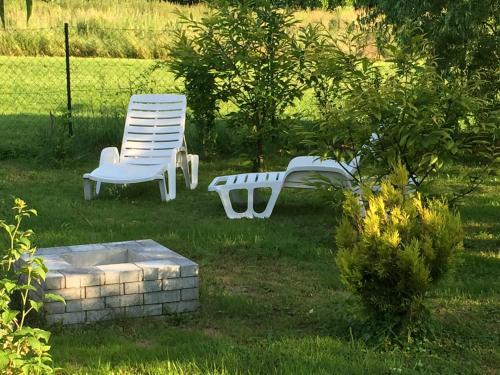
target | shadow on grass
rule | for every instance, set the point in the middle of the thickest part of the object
(47, 138)
(153, 347)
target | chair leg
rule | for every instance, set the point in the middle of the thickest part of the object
(163, 189)
(228, 206)
(87, 189)
(171, 183)
(185, 169)
(250, 212)
(194, 161)
(189, 166)
(270, 203)
(97, 187)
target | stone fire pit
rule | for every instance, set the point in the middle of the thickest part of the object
(118, 280)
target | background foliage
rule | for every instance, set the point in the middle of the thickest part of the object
(463, 34)
(420, 117)
(250, 56)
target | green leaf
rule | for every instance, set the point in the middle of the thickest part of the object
(54, 297)
(29, 9)
(8, 316)
(9, 285)
(2, 12)
(42, 334)
(37, 305)
(4, 356)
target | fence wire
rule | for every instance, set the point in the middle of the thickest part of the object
(34, 88)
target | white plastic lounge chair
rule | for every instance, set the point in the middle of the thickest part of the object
(301, 173)
(153, 144)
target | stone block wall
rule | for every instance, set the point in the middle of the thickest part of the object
(155, 281)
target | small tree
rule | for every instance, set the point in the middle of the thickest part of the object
(189, 61)
(25, 350)
(420, 117)
(257, 57)
(391, 256)
(29, 9)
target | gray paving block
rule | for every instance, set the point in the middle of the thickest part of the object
(66, 318)
(124, 300)
(161, 297)
(70, 293)
(162, 268)
(54, 280)
(85, 304)
(180, 283)
(105, 314)
(54, 307)
(187, 267)
(189, 294)
(143, 286)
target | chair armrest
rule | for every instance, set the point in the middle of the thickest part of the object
(217, 181)
(109, 155)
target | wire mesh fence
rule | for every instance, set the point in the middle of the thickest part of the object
(34, 86)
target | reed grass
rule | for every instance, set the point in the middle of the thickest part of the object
(112, 28)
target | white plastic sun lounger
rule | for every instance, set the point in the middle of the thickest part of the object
(153, 145)
(302, 172)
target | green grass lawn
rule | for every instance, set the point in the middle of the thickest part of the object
(101, 89)
(271, 298)
(37, 85)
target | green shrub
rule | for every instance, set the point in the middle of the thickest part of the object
(251, 55)
(463, 34)
(392, 255)
(25, 350)
(190, 61)
(420, 117)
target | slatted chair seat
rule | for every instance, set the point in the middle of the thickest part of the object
(248, 180)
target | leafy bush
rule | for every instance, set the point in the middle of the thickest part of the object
(188, 61)
(420, 117)
(25, 350)
(463, 34)
(250, 55)
(393, 254)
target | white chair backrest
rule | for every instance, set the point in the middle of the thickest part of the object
(154, 128)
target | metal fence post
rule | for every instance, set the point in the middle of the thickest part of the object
(68, 78)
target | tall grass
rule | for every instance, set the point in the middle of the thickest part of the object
(112, 28)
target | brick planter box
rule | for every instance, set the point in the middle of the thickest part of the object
(118, 280)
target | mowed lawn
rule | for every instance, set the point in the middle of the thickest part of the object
(271, 298)
(35, 87)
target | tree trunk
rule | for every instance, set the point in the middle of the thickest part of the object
(258, 164)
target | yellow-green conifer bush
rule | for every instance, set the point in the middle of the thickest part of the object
(392, 254)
